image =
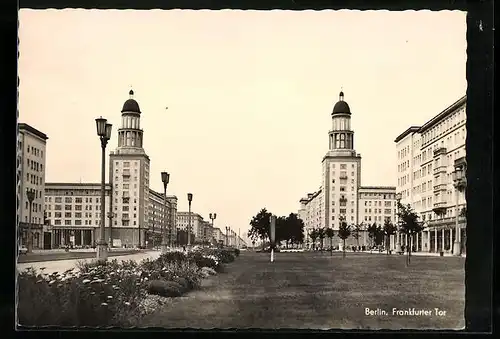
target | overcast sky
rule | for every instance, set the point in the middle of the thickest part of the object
(249, 94)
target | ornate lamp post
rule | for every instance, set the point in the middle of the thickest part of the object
(104, 133)
(212, 217)
(31, 196)
(110, 217)
(190, 198)
(227, 231)
(165, 178)
(459, 181)
(398, 242)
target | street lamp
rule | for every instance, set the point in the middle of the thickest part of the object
(227, 231)
(459, 181)
(31, 196)
(212, 217)
(165, 178)
(190, 198)
(110, 217)
(104, 133)
(398, 241)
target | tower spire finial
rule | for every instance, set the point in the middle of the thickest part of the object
(131, 92)
(341, 94)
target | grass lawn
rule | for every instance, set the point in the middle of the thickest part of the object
(319, 291)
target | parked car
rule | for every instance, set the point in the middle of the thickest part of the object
(23, 250)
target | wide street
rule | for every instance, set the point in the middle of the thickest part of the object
(63, 265)
(61, 255)
(319, 291)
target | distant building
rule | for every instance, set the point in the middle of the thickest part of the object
(427, 155)
(195, 221)
(339, 195)
(31, 155)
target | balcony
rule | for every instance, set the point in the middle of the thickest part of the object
(440, 187)
(440, 208)
(125, 218)
(446, 222)
(126, 173)
(460, 162)
(126, 195)
(125, 200)
(440, 150)
(343, 176)
(440, 169)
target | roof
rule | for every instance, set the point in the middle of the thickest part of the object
(32, 130)
(131, 106)
(412, 129)
(75, 185)
(377, 188)
(450, 109)
(435, 120)
(341, 106)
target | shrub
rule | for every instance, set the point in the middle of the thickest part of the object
(203, 260)
(209, 271)
(174, 256)
(237, 252)
(93, 298)
(164, 288)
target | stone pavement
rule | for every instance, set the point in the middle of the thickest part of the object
(63, 265)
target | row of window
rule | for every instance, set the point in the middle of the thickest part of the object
(378, 203)
(404, 166)
(36, 207)
(35, 151)
(379, 210)
(58, 207)
(58, 192)
(443, 127)
(403, 180)
(34, 166)
(34, 179)
(404, 152)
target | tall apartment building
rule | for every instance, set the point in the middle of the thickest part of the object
(427, 156)
(31, 154)
(134, 211)
(129, 177)
(339, 196)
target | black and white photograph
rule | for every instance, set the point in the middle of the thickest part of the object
(236, 169)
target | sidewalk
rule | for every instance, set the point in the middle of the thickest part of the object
(63, 265)
(81, 250)
(426, 254)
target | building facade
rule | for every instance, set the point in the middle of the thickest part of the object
(341, 195)
(73, 213)
(31, 155)
(157, 219)
(427, 157)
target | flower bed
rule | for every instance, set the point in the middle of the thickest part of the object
(114, 293)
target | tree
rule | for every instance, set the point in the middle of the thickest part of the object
(260, 225)
(314, 235)
(344, 233)
(321, 236)
(294, 229)
(330, 234)
(356, 230)
(389, 229)
(409, 225)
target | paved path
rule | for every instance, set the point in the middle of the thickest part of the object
(316, 290)
(63, 265)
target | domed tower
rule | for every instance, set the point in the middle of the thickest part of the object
(130, 134)
(129, 179)
(341, 170)
(341, 136)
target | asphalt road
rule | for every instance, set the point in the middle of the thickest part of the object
(319, 291)
(38, 257)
